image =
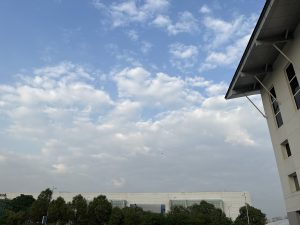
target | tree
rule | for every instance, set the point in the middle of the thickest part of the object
(99, 211)
(150, 218)
(178, 215)
(256, 217)
(21, 203)
(116, 217)
(58, 212)
(14, 218)
(40, 207)
(4, 205)
(133, 215)
(17, 210)
(79, 209)
(207, 214)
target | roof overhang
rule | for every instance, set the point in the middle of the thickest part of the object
(276, 25)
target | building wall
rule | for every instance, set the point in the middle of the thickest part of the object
(232, 201)
(290, 130)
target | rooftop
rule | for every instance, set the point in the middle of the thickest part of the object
(275, 27)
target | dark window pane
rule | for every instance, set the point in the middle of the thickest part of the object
(294, 85)
(296, 182)
(275, 107)
(297, 99)
(279, 120)
(290, 71)
(273, 93)
(288, 150)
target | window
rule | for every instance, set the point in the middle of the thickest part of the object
(294, 85)
(294, 182)
(286, 150)
(275, 107)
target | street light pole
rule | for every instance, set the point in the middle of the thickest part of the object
(229, 207)
(247, 208)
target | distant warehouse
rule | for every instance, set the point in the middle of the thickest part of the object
(228, 202)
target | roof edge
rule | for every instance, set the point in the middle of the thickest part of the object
(261, 18)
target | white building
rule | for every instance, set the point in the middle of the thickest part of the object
(228, 202)
(270, 67)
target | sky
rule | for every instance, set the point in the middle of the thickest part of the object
(128, 96)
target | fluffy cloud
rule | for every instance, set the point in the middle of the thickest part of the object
(183, 56)
(181, 51)
(186, 23)
(204, 9)
(231, 54)
(161, 90)
(157, 127)
(131, 11)
(220, 31)
(225, 40)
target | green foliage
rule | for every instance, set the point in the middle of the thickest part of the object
(58, 212)
(79, 210)
(202, 214)
(178, 216)
(4, 205)
(40, 206)
(207, 214)
(22, 203)
(116, 217)
(25, 210)
(133, 215)
(99, 211)
(15, 218)
(153, 219)
(256, 217)
(15, 211)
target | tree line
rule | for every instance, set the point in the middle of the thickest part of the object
(24, 209)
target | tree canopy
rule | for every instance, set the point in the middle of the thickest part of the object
(25, 209)
(256, 216)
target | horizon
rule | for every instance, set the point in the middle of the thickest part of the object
(128, 96)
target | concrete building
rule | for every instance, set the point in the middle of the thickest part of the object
(270, 67)
(228, 202)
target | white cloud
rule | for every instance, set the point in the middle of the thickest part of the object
(225, 40)
(220, 31)
(59, 168)
(162, 21)
(154, 127)
(186, 23)
(2, 158)
(217, 89)
(146, 47)
(118, 183)
(205, 9)
(182, 51)
(231, 54)
(183, 56)
(133, 35)
(152, 12)
(132, 11)
(161, 90)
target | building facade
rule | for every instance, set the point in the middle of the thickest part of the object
(228, 202)
(270, 66)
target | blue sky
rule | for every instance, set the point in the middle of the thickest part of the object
(129, 96)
